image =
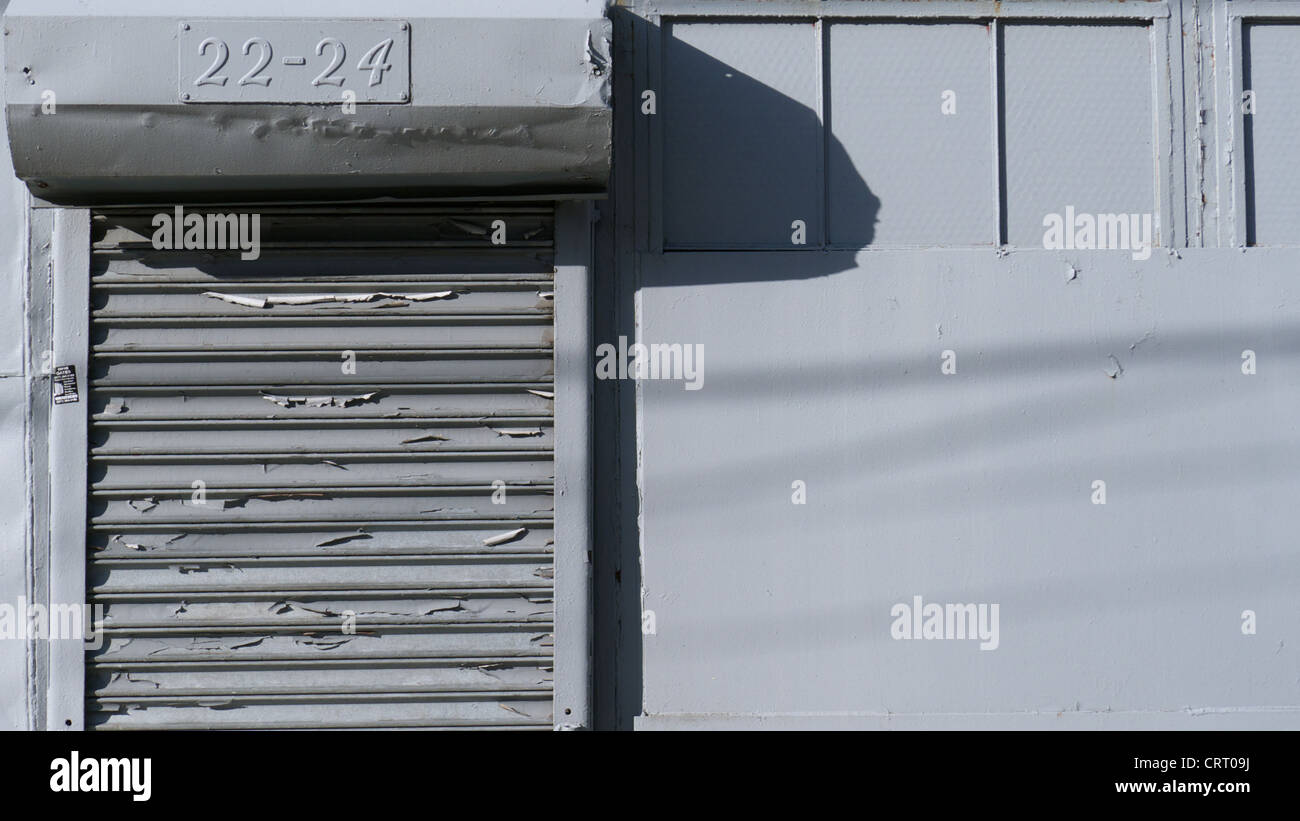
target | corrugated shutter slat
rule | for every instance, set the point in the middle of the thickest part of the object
(325, 492)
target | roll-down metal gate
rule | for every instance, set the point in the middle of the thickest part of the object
(321, 481)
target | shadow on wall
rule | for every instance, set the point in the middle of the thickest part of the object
(744, 165)
(741, 162)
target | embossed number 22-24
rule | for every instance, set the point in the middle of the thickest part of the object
(375, 61)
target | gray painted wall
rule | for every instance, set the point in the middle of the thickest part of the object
(14, 495)
(823, 364)
(976, 486)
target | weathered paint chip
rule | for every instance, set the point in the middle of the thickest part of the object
(502, 538)
(319, 299)
(321, 401)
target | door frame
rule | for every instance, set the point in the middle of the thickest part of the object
(65, 260)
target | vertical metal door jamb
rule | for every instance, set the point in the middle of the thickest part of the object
(68, 448)
(573, 506)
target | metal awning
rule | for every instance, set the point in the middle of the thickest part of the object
(137, 101)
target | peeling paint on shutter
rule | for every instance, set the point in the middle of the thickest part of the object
(326, 493)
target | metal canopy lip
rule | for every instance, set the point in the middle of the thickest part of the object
(223, 200)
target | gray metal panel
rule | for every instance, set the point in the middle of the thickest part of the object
(1078, 123)
(324, 491)
(740, 97)
(974, 487)
(1272, 59)
(901, 171)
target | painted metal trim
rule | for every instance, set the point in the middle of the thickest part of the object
(822, 164)
(1230, 18)
(1186, 89)
(1263, 9)
(574, 375)
(65, 701)
(1210, 718)
(999, 132)
(1223, 125)
(656, 74)
(39, 329)
(1171, 228)
(900, 9)
(1236, 148)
